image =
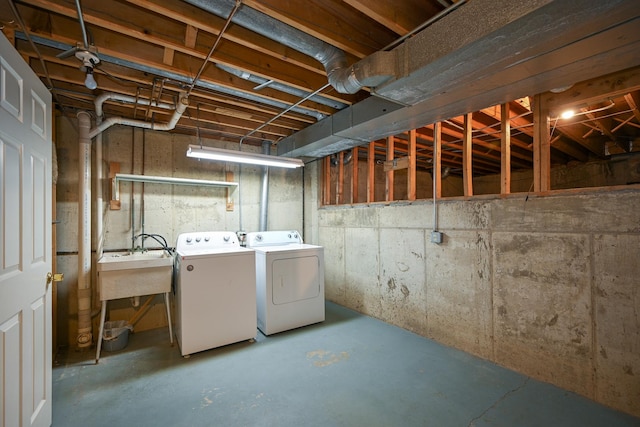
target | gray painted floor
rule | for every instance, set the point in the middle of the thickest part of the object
(351, 370)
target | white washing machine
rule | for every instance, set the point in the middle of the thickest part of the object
(289, 280)
(214, 291)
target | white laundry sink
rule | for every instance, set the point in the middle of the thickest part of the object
(122, 275)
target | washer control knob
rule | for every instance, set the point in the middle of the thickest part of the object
(207, 238)
(198, 239)
(226, 238)
(189, 239)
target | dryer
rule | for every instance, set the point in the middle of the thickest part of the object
(214, 291)
(289, 281)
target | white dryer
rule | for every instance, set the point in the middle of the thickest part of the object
(214, 290)
(289, 281)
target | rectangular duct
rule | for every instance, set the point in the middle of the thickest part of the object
(485, 53)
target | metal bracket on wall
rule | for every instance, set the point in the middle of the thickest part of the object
(115, 190)
(230, 204)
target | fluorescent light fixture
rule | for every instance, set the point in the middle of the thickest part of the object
(211, 153)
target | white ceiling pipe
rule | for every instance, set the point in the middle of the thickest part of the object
(101, 99)
(183, 103)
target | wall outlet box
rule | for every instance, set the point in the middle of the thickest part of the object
(436, 237)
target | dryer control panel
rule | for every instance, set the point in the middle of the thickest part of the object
(273, 238)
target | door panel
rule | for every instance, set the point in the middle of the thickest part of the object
(295, 279)
(25, 244)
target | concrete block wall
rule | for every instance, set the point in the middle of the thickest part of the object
(547, 286)
(168, 209)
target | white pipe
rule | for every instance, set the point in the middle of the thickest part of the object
(99, 201)
(101, 99)
(183, 103)
(84, 338)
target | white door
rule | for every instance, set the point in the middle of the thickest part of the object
(25, 243)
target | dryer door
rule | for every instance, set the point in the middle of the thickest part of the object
(295, 279)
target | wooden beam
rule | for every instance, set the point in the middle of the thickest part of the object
(633, 100)
(190, 36)
(167, 58)
(411, 173)
(371, 172)
(467, 155)
(230, 202)
(340, 182)
(594, 90)
(145, 45)
(400, 17)
(437, 159)
(325, 21)
(505, 149)
(354, 175)
(326, 181)
(541, 146)
(396, 164)
(390, 173)
(10, 34)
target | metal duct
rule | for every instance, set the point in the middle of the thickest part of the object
(282, 87)
(371, 71)
(180, 78)
(503, 50)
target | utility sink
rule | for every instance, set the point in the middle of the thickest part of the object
(122, 275)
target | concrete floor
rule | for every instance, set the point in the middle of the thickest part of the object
(351, 370)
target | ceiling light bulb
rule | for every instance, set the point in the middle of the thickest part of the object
(567, 114)
(90, 82)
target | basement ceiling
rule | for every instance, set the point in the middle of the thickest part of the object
(250, 77)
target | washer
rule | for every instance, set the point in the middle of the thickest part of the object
(214, 291)
(289, 281)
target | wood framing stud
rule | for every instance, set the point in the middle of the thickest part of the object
(190, 36)
(340, 183)
(505, 149)
(390, 175)
(114, 168)
(354, 175)
(326, 193)
(411, 175)
(437, 159)
(167, 58)
(541, 146)
(467, 155)
(396, 164)
(230, 202)
(371, 172)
